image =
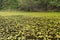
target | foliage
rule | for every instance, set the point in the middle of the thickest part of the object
(31, 5)
(9, 4)
(22, 27)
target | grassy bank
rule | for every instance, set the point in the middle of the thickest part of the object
(36, 14)
(29, 25)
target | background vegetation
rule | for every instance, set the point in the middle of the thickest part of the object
(30, 5)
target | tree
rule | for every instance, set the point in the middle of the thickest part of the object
(1, 4)
(9, 4)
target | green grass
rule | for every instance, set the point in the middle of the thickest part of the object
(39, 25)
(36, 14)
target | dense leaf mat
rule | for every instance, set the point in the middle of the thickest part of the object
(19, 27)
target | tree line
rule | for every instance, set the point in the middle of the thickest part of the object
(30, 5)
